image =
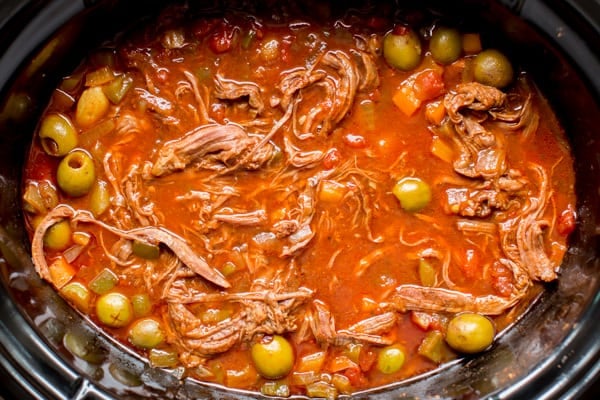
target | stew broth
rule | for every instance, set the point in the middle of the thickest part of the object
(258, 180)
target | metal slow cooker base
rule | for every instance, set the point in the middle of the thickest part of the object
(553, 352)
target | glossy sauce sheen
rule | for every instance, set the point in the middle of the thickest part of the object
(365, 245)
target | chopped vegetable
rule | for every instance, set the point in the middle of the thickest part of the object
(71, 82)
(427, 273)
(276, 389)
(304, 378)
(567, 221)
(40, 197)
(97, 131)
(173, 39)
(441, 150)
(146, 250)
(81, 238)
(332, 158)
(118, 88)
(103, 57)
(428, 84)
(368, 304)
(341, 383)
(270, 50)
(421, 86)
(435, 112)
(322, 390)
(248, 39)
(61, 272)
(78, 294)
(432, 346)
(99, 198)
(160, 358)
(405, 98)
(311, 362)
(367, 114)
(245, 377)
(331, 191)
(91, 107)
(352, 351)
(354, 141)
(341, 363)
(99, 77)
(104, 282)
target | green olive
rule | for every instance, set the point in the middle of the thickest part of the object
(445, 45)
(413, 193)
(141, 304)
(146, 333)
(402, 49)
(114, 309)
(58, 135)
(76, 173)
(58, 236)
(390, 359)
(470, 333)
(492, 68)
(273, 357)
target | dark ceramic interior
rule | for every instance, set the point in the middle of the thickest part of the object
(552, 352)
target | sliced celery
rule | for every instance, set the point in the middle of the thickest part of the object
(274, 388)
(321, 390)
(432, 346)
(427, 273)
(116, 89)
(78, 294)
(163, 358)
(146, 250)
(104, 281)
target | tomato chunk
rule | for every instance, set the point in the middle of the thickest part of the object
(355, 141)
(355, 376)
(332, 158)
(566, 221)
(428, 85)
(221, 40)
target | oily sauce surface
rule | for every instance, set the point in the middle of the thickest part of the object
(271, 149)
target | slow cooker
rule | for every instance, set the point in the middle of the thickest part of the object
(47, 350)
